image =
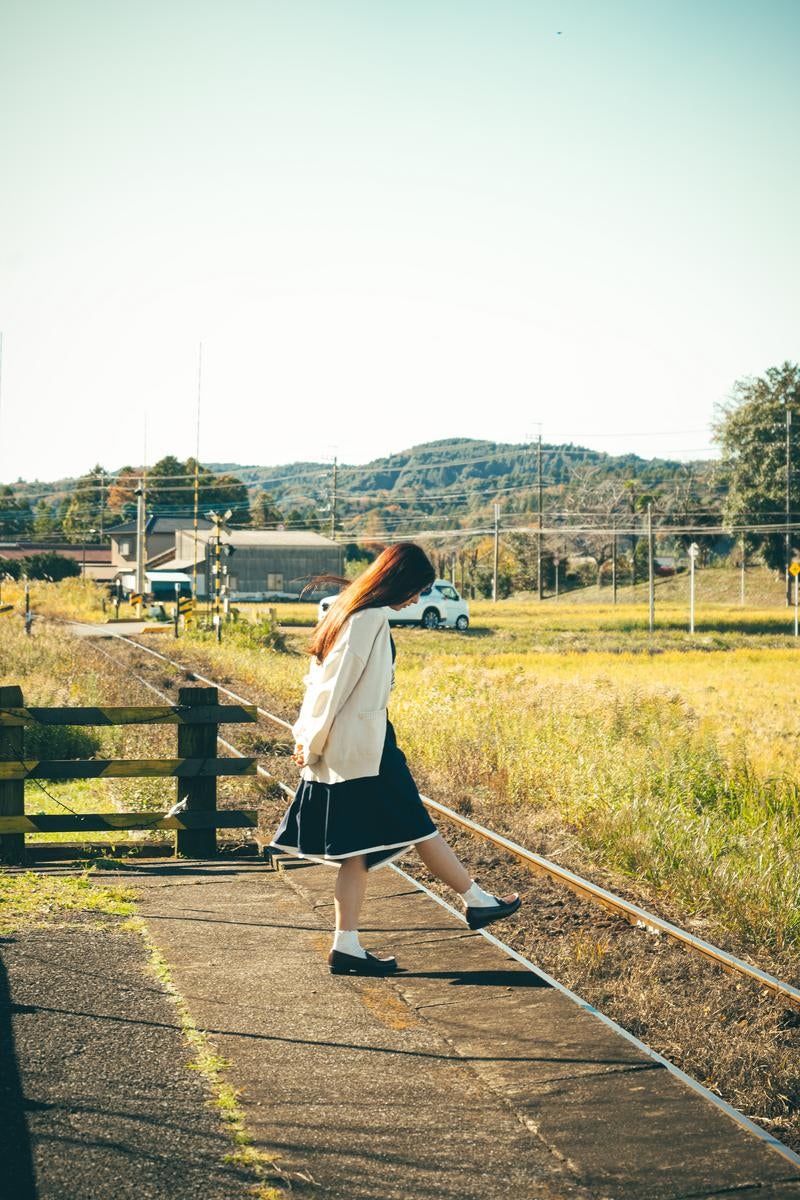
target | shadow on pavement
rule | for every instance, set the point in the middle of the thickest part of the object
(16, 1162)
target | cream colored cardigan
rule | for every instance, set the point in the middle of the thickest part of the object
(342, 721)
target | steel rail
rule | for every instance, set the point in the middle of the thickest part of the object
(584, 888)
(745, 1122)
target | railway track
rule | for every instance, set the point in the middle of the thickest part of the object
(744, 1062)
(584, 888)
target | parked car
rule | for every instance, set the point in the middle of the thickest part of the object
(439, 607)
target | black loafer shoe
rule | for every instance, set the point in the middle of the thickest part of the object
(351, 964)
(485, 914)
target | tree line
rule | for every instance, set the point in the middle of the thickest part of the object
(755, 482)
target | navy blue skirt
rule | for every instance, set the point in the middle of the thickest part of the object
(380, 816)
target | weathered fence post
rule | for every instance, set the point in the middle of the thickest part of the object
(197, 741)
(12, 791)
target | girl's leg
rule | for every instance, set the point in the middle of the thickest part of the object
(442, 862)
(348, 894)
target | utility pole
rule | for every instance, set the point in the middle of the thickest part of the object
(614, 561)
(539, 578)
(333, 501)
(788, 501)
(197, 480)
(496, 550)
(140, 522)
(102, 500)
(1, 399)
(694, 550)
(651, 565)
(741, 588)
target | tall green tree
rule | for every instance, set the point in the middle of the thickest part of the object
(46, 520)
(265, 512)
(169, 491)
(16, 514)
(751, 429)
(87, 510)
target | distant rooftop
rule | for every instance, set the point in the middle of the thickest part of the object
(156, 524)
(273, 537)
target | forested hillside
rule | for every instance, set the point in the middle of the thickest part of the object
(453, 483)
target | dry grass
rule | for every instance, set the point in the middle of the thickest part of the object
(672, 766)
(675, 769)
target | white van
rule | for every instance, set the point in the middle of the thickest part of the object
(439, 607)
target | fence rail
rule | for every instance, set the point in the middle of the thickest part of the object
(196, 770)
(179, 714)
(126, 768)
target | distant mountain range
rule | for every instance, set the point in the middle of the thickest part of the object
(454, 482)
(458, 481)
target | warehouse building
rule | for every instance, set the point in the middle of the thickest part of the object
(258, 564)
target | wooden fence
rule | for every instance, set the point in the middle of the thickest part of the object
(196, 770)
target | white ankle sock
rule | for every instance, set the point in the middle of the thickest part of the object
(476, 897)
(346, 941)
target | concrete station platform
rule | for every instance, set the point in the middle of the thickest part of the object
(464, 1076)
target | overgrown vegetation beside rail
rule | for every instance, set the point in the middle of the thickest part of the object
(666, 760)
(646, 787)
(74, 599)
(675, 768)
(56, 669)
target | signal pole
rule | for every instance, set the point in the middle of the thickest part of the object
(140, 521)
(219, 525)
(333, 501)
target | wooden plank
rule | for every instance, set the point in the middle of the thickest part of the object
(12, 792)
(127, 768)
(200, 794)
(239, 818)
(217, 714)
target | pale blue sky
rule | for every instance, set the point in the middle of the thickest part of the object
(388, 223)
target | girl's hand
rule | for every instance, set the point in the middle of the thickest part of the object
(299, 755)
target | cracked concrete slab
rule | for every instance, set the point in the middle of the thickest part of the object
(464, 1076)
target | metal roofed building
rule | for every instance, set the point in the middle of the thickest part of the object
(160, 534)
(266, 563)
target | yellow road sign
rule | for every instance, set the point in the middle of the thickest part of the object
(794, 569)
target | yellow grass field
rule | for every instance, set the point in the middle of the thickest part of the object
(668, 757)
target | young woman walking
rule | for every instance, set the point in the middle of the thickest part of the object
(357, 806)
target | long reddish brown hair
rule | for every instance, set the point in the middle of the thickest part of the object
(396, 575)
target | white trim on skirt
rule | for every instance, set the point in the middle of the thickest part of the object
(335, 860)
